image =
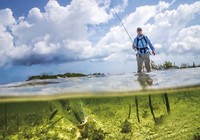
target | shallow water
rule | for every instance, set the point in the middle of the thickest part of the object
(107, 118)
(159, 105)
(126, 82)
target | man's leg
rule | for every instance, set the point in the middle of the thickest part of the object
(139, 63)
(147, 62)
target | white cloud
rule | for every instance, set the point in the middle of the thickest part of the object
(6, 17)
(60, 33)
(118, 9)
(187, 41)
(170, 22)
(131, 22)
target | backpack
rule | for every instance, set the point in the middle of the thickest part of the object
(144, 49)
(143, 37)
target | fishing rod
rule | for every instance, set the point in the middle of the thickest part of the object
(122, 24)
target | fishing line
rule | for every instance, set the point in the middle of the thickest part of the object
(121, 23)
(118, 17)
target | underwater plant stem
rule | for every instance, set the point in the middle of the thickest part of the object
(167, 102)
(129, 112)
(5, 113)
(137, 109)
(55, 122)
(17, 120)
(52, 125)
(151, 108)
(53, 114)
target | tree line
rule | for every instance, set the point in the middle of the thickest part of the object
(170, 65)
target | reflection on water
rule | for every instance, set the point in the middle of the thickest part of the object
(144, 80)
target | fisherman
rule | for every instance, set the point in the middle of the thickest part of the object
(140, 44)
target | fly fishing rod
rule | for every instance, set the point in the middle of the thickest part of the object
(122, 24)
(124, 27)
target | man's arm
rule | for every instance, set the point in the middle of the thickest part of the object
(150, 45)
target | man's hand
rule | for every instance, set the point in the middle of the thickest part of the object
(134, 47)
(153, 52)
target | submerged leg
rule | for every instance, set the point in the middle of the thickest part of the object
(137, 109)
(151, 108)
(167, 102)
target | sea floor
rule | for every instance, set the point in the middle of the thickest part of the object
(109, 118)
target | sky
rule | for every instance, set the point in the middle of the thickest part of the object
(85, 36)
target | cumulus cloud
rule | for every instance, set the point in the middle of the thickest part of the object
(187, 41)
(6, 17)
(168, 25)
(61, 34)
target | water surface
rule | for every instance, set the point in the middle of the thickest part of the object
(159, 105)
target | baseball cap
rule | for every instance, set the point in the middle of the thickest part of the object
(139, 29)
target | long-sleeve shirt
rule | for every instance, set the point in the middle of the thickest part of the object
(141, 45)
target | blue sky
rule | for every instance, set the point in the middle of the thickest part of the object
(85, 36)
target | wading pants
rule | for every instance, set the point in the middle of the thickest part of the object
(143, 58)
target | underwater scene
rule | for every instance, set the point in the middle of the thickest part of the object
(152, 111)
(162, 116)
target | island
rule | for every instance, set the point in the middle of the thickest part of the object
(65, 75)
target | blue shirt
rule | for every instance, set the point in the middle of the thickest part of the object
(142, 45)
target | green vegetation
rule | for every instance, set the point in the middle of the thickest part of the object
(90, 131)
(169, 65)
(126, 127)
(97, 74)
(107, 118)
(47, 76)
(66, 75)
(43, 76)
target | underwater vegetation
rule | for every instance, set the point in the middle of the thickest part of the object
(157, 116)
(126, 127)
(90, 131)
